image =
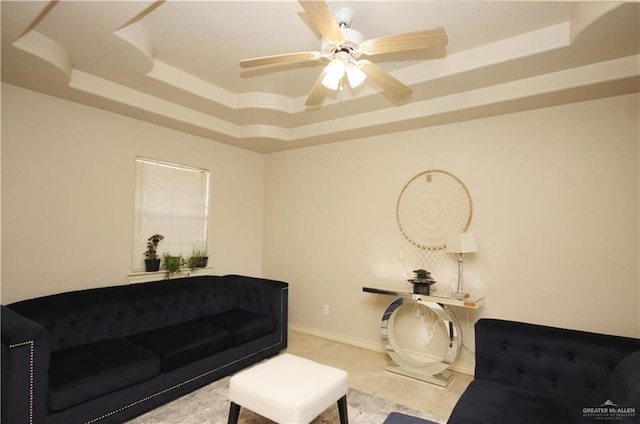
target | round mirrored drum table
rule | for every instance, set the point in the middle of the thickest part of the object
(402, 363)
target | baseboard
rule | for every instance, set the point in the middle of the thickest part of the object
(354, 341)
(375, 346)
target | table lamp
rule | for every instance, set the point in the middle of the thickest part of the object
(460, 243)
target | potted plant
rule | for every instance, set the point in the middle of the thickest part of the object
(199, 257)
(172, 264)
(152, 261)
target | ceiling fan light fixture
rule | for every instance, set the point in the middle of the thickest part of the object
(355, 76)
(334, 72)
(342, 46)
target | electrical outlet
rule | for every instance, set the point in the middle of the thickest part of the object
(325, 309)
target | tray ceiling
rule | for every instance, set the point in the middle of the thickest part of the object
(175, 63)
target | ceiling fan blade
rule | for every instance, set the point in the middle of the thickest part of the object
(280, 58)
(323, 19)
(385, 80)
(435, 37)
(317, 91)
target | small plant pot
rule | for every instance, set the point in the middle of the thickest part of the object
(172, 263)
(152, 265)
(194, 262)
(202, 262)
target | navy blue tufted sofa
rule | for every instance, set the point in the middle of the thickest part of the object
(106, 355)
(533, 374)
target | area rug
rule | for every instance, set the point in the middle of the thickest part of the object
(210, 405)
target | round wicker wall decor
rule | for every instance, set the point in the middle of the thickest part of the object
(431, 205)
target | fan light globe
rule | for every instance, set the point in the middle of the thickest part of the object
(335, 71)
(355, 75)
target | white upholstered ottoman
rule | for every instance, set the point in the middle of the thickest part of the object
(288, 390)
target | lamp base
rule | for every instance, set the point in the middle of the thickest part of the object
(459, 295)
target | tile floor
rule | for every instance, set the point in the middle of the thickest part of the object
(367, 373)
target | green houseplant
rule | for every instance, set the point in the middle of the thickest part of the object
(172, 264)
(152, 261)
(198, 257)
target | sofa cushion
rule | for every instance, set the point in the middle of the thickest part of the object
(243, 325)
(88, 371)
(487, 401)
(182, 343)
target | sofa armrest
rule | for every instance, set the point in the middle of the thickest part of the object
(269, 297)
(25, 369)
(260, 295)
(568, 364)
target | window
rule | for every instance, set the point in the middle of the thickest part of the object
(172, 200)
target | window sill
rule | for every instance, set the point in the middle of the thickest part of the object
(144, 277)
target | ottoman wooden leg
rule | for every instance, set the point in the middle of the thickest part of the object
(234, 413)
(342, 410)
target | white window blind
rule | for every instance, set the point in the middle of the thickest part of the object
(172, 200)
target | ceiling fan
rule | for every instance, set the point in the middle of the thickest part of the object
(343, 46)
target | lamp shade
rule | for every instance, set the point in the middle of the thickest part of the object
(461, 243)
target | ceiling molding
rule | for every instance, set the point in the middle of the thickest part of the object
(537, 68)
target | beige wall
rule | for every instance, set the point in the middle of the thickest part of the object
(555, 195)
(555, 191)
(67, 194)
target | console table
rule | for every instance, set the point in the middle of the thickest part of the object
(402, 363)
